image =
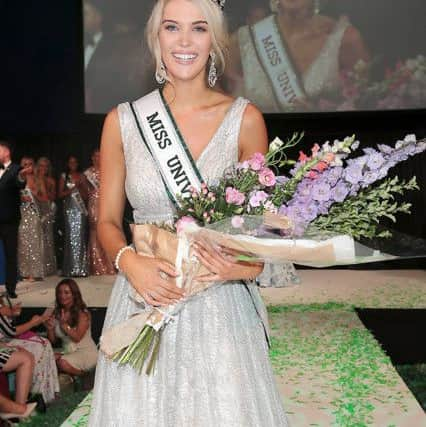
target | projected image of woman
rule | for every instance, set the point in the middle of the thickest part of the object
(292, 55)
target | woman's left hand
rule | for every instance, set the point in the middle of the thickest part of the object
(223, 265)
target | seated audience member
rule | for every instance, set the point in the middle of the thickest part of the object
(45, 376)
(71, 323)
(14, 359)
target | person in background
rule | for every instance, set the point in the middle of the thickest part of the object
(73, 191)
(12, 180)
(70, 322)
(45, 186)
(98, 261)
(45, 376)
(30, 233)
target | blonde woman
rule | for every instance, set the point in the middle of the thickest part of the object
(212, 368)
(45, 187)
(30, 232)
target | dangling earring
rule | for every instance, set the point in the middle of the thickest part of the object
(317, 7)
(212, 79)
(274, 5)
(160, 75)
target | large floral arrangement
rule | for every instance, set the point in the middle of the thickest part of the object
(328, 192)
(325, 190)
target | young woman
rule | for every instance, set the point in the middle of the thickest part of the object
(30, 233)
(73, 191)
(46, 193)
(45, 377)
(71, 323)
(213, 367)
(98, 261)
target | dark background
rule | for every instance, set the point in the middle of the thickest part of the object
(42, 101)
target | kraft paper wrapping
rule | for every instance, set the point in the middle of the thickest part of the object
(150, 240)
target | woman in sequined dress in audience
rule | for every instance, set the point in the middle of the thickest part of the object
(73, 190)
(99, 263)
(30, 232)
(319, 49)
(45, 186)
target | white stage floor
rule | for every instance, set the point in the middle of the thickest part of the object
(361, 288)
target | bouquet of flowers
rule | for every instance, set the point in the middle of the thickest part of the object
(310, 217)
(403, 86)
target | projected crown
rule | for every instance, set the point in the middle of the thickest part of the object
(220, 3)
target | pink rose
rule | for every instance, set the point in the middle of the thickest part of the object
(234, 196)
(267, 177)
(257, 161)
(237, 221)
(183, 222)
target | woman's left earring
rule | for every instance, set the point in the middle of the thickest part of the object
(160, 75)
(212, 78)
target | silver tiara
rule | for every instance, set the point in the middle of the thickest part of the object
(220, 3)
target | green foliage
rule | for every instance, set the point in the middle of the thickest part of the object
(359, 216)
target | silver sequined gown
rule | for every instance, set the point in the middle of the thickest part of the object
(213, 368)
(47, 210)
(75, 263)
(30, 241)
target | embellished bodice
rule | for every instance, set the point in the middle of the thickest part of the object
(144, 187)
(322, 74)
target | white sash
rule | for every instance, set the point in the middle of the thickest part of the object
(276, 62)
(91, 177)
(76, 196)
(166, 145)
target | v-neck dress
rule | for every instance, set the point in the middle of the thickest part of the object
(213, 368)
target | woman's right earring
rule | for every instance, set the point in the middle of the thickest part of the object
(212, 78)
(160, 75)
(274, 5)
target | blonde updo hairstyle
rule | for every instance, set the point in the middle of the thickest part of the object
(216, 24)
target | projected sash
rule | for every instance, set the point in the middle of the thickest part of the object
(163, 140)
(275, 60)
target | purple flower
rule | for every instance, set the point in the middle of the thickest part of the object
(340, 191)
(353, 173)
(257, 198)
(304, 189)
(267, 177)
(243, 165)
(386, 149)
(234, 196)
(375, 160)
(321, 192)
(333, 175)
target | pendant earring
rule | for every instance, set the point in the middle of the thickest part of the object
(160, 75)
(212, 78)
(274, 5)
(317, 7)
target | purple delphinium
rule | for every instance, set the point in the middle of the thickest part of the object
(315, 194)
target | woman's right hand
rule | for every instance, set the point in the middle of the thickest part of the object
(50, 323)
(154, 279)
